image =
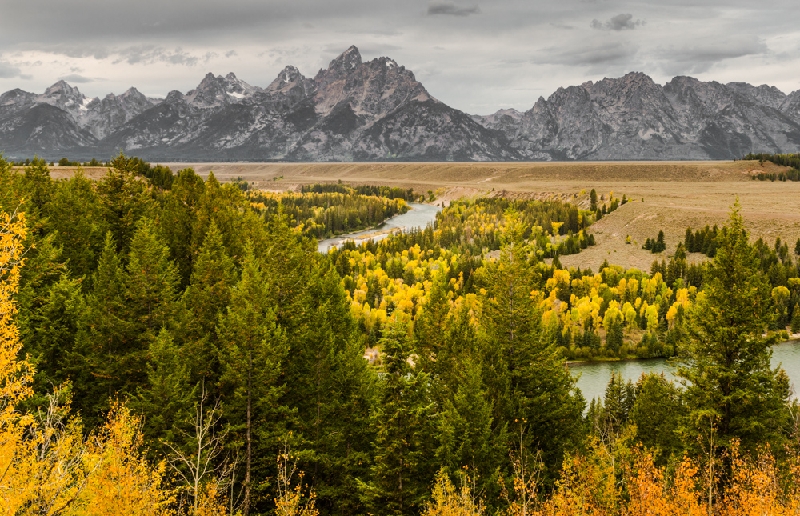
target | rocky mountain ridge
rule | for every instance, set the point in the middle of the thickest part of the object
(376, 110)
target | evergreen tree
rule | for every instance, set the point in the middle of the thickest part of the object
(79, 225)
(430, 327)
(167, 396)
(151, 284)
(796, 319)
(614, 336)
(403, 469)
(331, 389)
(125, 199)
(525, 377)
(725, 366)
(252, 348)
(38, 189)
(656, 415)
(465, 437)
(205, 299)
(178, 220)
(44, 267)
(53, 330)
(97, 366)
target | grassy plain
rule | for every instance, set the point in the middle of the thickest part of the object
(665, 195)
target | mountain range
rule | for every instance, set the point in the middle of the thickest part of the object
(377, 111)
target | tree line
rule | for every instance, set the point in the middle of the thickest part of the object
(326, 214)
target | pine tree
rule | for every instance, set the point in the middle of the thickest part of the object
(125, 199)
(178, 222)
(151, 284)
(525, 377)
(465, 437)
(104, 338)
(331, 390)
(656, 415)
(78, 224)
(430, 326)
(252, 348)
(726, 363)
(166, 398)
(205, 299)
(403, 469)
(54, 327)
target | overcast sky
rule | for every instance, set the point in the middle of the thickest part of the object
(475, 55)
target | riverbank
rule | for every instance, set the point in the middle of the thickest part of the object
(419, 215)
(592, 377)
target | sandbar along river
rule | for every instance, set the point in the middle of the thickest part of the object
(419, 216)
(594, 376)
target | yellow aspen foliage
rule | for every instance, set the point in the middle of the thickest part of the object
(121, 481)
(449, 501)
(211, 502)
(15, 375)
(291, 500)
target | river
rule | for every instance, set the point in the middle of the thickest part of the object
(593, 377)
(419, 216)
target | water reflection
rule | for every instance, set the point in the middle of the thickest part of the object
(594, 377)
(419, 216)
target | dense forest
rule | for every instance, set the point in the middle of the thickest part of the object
(175, 345)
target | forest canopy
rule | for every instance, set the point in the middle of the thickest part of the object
(172, 344)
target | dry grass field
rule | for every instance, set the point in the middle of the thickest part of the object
(665, 195)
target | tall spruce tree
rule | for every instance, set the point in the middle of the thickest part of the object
(725, 366)
(404, 449)
(166, 398)
(331, 389)
(525, 376)
(104, 337)
(252, 348)
(151, 284)
(205, 299)
(79, 225)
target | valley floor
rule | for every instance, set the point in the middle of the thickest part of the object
(668, 196)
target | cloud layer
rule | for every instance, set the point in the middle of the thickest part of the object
(476, 55)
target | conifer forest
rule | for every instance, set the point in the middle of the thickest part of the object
(173, 344)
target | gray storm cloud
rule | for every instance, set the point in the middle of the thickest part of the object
(451, 9)
(9, 71)
(76, 78)
(474, 55)
(618, 22)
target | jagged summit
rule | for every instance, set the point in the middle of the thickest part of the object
(378, 110)
(347, 60)
(62, 88)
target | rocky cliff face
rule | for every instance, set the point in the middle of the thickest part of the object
(377, 110)
(634, 118)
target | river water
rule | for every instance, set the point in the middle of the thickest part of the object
(419, 216)
(593, 377)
